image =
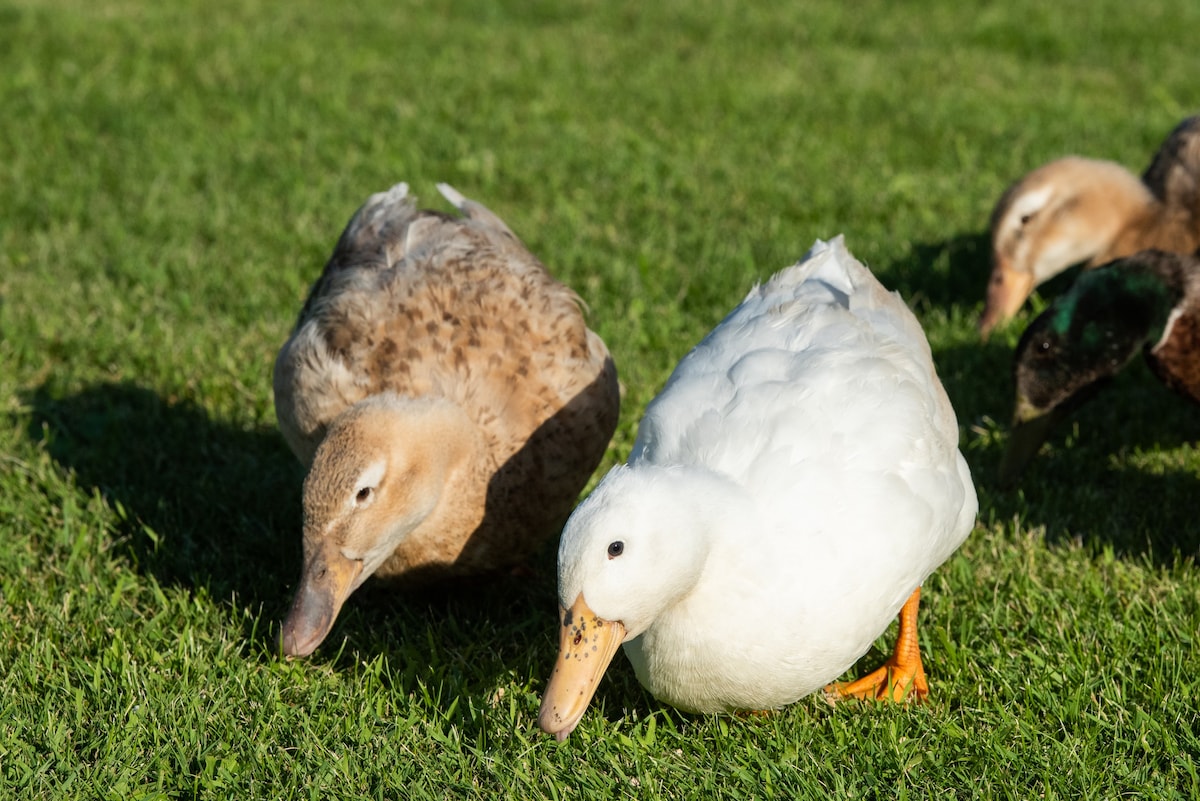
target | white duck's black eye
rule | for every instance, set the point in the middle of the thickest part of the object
(615, 549)
(363, 495)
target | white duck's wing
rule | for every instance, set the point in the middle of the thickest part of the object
(819, 325)
(818, 394)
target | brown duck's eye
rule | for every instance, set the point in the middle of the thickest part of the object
(363, 495)
(1025, 218)
(615, 549)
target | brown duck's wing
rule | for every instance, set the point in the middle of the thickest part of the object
(1174, 173)
(485, 325)
(509, 344)
(475, 211)
(1176, 358)
(379, 234)
(420, 303)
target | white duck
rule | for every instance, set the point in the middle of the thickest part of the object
(448, 398)
(788, 492)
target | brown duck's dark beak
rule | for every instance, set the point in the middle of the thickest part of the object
(1007, 290)
(1030, 428)
(328, 579)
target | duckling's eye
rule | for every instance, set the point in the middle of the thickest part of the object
(615, 549)
(1025, 218)
(363, 496)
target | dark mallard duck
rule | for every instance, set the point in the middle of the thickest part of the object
(1148, 303)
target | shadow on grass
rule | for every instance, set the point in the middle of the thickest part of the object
(204, 504)
(1084, 484)
(941, 274)
(210, 505)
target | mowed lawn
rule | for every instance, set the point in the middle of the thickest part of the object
(172, 177)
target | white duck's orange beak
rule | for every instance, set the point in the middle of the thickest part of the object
(587, 644)
(1007, 290)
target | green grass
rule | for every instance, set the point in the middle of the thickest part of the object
(172, 176)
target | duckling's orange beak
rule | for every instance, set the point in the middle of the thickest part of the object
(1007, 290)
(587, 644)
(328, 579)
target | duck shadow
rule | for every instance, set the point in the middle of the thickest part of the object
(211, 507)
(199, 503)
(1084, 485)
(954, 271)
(942, 273)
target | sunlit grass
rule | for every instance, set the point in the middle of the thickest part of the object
(173, 176)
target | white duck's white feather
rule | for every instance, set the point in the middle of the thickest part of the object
(797, 478)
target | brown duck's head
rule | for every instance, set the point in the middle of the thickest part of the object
(1064, 213)
(378, 475)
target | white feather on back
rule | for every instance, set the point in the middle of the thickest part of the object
(806, 363)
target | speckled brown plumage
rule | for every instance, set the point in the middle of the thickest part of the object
(421, 305)
(1176, 360)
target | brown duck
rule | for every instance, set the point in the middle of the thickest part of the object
(447, 397)
(1082, 211)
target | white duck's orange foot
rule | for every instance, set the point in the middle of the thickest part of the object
(902, 676)
(891, 682)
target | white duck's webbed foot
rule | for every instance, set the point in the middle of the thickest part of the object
(902, 677)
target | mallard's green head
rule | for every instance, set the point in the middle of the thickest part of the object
(1086, 336)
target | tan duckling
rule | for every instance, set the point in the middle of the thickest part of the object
(448, 398)
(1083, 211)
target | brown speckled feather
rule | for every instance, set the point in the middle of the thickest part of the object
(422, 304)
(1176, 359)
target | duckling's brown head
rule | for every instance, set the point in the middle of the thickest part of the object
(1066, 212)
(378, 475)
